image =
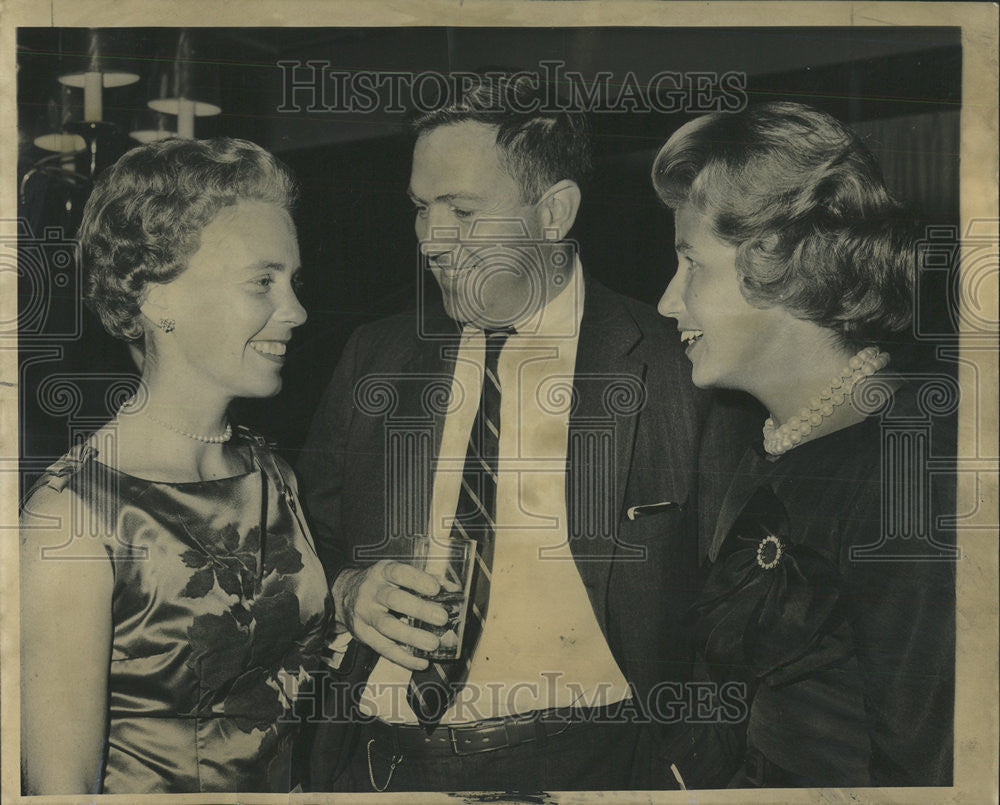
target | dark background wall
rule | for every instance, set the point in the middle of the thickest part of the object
(899, 87)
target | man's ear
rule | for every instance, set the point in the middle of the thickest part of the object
(559, 205)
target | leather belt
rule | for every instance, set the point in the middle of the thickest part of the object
(488, 735)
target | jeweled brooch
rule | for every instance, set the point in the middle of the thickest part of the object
(769, 552)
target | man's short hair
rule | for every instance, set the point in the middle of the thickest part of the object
(539, 144)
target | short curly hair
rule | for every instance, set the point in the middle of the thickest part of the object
(144, 218)
(804, 203)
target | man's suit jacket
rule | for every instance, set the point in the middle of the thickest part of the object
(367, 471)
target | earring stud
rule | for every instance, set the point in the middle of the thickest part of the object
(167, 325)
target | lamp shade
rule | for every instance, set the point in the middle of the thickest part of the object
(149, 125)
(49, 125)
(194, 87)
(101, 65)
(99, 51)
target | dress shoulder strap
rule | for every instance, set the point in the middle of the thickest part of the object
(262, 450)
(61, 473)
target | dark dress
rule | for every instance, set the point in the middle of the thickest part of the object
(220, 608)
(848, 655)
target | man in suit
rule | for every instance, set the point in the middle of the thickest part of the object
(582, 510)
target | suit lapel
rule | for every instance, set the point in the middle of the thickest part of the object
(433, 366)
(602, 430)
(608, 385)
(423, 385)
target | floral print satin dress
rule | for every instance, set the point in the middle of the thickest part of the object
(220, 610)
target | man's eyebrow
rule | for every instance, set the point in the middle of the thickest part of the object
(682, 246)
(448, 197)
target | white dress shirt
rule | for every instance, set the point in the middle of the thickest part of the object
(541, 645)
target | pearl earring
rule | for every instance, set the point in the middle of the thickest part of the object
(167, 325)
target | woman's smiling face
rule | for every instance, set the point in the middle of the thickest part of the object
(235, 305)
(729, 340)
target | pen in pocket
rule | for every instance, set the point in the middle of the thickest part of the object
(635, 512)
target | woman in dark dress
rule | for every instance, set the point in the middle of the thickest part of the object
(172, 599)
(795, 283)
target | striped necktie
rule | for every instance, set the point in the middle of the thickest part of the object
(432, 691)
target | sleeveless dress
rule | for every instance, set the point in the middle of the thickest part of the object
(220, 610)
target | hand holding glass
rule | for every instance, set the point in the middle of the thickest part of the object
(451, 561)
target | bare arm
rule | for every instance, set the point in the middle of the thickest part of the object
(66, 634)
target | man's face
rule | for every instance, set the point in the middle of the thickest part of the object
(478, 235)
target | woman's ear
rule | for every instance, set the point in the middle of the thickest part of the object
(156, 308)
(558, 207)
(155, 304)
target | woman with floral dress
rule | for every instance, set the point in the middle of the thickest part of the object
(172, 600)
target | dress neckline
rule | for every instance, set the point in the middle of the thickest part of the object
(805, 447)
(91, 453)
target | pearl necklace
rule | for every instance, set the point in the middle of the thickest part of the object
(780, 440)
(223, 437)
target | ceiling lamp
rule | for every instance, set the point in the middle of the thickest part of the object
(157, 125)
(188, 101)
(57, 113)
(97, 74)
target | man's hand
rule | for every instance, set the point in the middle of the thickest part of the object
(369, 602)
